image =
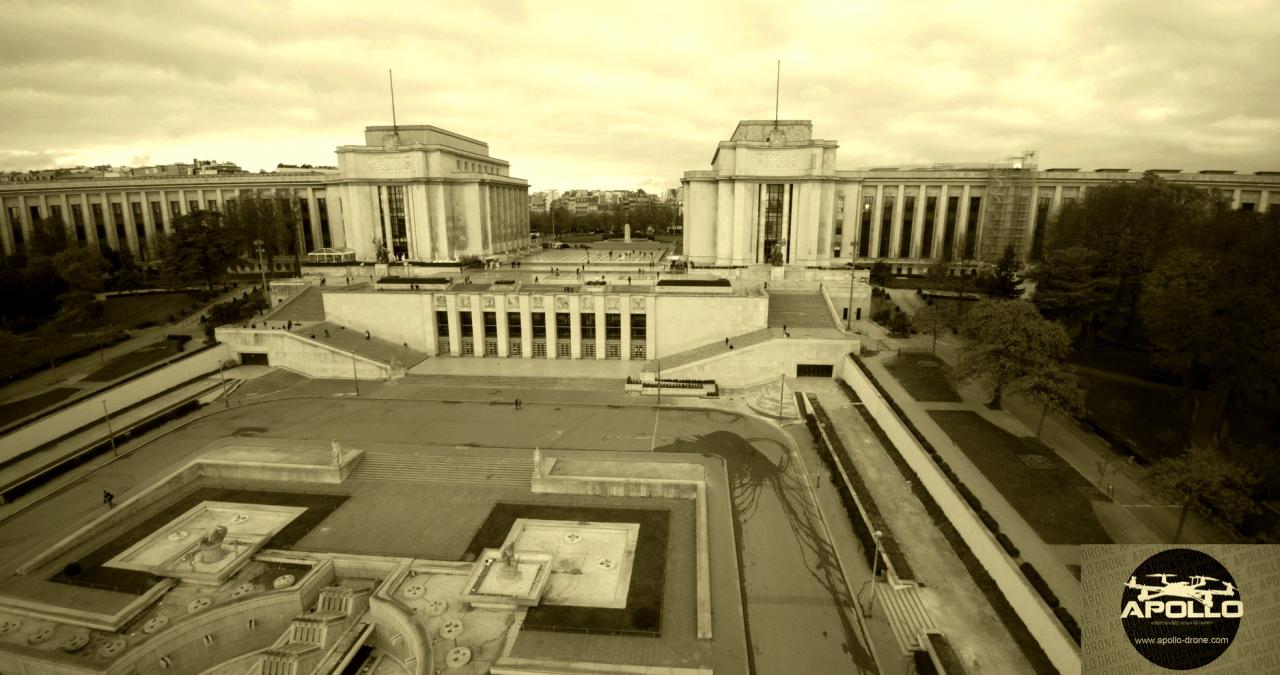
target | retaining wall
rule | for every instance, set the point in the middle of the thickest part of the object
(119, 397)
(1030, 607)
(293, 351)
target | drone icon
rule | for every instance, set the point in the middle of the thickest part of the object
(1191, 590)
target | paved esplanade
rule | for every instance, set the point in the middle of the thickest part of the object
(798, 608)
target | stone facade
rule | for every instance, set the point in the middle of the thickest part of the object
(774, 195)
(421, 192)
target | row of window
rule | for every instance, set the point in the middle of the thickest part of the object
(538, 327)
(477, 167)
(98, 220)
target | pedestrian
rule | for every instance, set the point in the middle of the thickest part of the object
(321, 281)
(290, 325)
(366, 335)
(326, 332)
(313, 336)
(108, 499)
(726, 342)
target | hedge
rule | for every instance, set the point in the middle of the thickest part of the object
(971, 499)
(1026, 642)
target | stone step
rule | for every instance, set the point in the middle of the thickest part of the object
(906, 614)
(444, 469)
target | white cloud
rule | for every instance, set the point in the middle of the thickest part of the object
(585, 94)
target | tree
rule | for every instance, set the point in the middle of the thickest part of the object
(899, 324)
(931, 320)
(126, 274)
(1011, 345)
(1054, 386)
(268, 217)
(1204, 480)
(1071, 288)
(1182, 314)
(879, 273)
(1003, 283)
(199, 250)
(49, 237)
(1131, 226)
(83, 268)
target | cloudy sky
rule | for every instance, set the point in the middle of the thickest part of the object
(624, 95)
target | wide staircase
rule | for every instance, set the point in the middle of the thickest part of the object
(310, 636)
(307, 306)
(354, 341)
(508, 383)
(421, 468)
(798, 309)
(271, 383)
(710, 349)
(772, 398)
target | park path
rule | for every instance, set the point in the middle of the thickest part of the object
(955, 604)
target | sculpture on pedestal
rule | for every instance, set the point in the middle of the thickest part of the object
(537, 463)
(211, 550)
(510, 569)
(337, 452)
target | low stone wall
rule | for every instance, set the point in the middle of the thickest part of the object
(1030, 607)
(283, 473)
(293, 351)
(608, 486)
(119, 397)
(742, 367)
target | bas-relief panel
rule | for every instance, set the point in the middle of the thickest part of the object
(588, 304)
(637, 304)
(611, 302)
(464, 301)
(441, 302)
(513, 302)
(389, 166)
(488, 302)
(562, 302)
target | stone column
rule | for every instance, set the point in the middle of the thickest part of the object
(504, 328)
(526, 328)
(600, 329)
(130, 228)
(575, 326)
(624, 309)
(455, 325)
(549, 319)
(477, 326)
(650, 325)
(962, 224)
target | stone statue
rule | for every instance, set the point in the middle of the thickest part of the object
(537, 463)
(337, 452)
(510, 570)
(211, 549)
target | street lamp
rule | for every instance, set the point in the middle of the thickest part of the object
(848, 312)
(875, 562)
(110, 434)
(259, 245)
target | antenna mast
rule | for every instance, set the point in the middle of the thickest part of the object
(391, 80)
(777, 93)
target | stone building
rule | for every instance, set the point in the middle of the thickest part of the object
(421, 192)
(775, 195)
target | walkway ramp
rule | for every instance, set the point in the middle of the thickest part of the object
(354, 341)
(709, 350)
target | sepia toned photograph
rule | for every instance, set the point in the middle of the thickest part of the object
(516, 337)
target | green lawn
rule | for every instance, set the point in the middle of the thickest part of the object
(35, 353)
(16, 410)
(138, 358)
(1149, 418)
(1049, 494)
(128, 311)
(923, 376)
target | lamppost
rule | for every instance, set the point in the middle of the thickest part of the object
(354, 377)
(259, 245)
(223, 379)
(110, 434)
(875, 562)
(848, 312)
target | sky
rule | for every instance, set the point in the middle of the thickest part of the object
(629, 95)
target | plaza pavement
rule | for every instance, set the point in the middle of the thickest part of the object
(799, 604)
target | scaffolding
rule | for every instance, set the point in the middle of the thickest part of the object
(1007, 222)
